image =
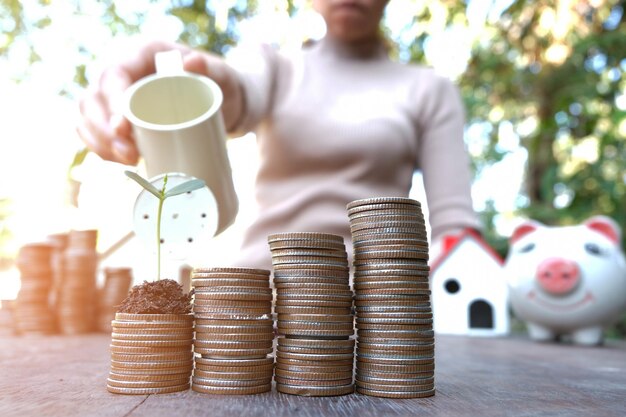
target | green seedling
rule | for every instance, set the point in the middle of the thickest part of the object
(161, 195)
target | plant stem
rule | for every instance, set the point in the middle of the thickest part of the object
(161, 201)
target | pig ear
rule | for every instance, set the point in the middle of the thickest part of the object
(523, 229)
(606, 226)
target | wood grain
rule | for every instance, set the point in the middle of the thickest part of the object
(66, 376)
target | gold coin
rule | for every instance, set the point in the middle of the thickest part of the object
(314, 391)
(313, 382)
(304, 236)
(316, 343)
(151, 343)
(392, 394)
(233, 353)
(319, 357)
(260, 320)
(317, 333)
(180, 364)
(230, 383)
(380, 370)
(329, 368)
(312, 310)
(405, 380)
(149, 378)
(147, 391)
(315, 376)
(143, 350)
(147, 384)
(395, 388)
(160, 318)
(166, 357)
(283, 363)
(382, 360)
(245, 363)
(294, 244)
(206, 389)
(233, 329)
(347, 303)
(235, 370)
(300, 272)
(188, 334)
(307, 350)
(256, 295)
(236, 376)
(236, 337)
(233, 270)
(155, 371)
(230, 282)
(232, 344)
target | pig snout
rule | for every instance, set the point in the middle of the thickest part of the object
(558, 276)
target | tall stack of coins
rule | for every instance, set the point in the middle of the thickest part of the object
(313, 306)
(150, 353)
(395, 339)
(117, 283)
(234, 330)
(76, 296)
(32, 312)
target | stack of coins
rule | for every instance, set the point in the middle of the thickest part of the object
(314, 313)
(6, 317)
(117, 283)
(395, 339)
(32, 312)
(150, 353)
(234, 330)
(59, 244)
(76, 295)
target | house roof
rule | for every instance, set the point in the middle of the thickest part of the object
(451, 243)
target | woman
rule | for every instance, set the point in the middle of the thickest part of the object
(338, 122)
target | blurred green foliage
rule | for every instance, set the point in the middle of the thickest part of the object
(556, 78)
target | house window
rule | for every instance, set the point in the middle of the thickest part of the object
(452, 286)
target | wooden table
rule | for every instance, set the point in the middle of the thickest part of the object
(66, 376)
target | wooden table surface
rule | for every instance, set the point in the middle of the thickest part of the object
(66, 376)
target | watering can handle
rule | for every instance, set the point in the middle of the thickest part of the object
(169, 62)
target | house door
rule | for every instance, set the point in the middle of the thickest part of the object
(480, 315)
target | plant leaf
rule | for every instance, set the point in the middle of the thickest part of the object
(144, 183)
(79, 157)
(185, 187)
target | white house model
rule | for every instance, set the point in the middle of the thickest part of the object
(469, 290)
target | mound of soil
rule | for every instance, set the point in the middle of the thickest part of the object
(159, 297)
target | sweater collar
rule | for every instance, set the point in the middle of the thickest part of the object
(343, 51)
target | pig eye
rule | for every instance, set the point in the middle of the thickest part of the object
(527, 248)
(593, 249)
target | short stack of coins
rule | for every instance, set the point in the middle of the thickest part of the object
(395, 339)
(150, 353)
(6, 317)
(234, 331)
(314, 314)
(76, 294)
(117, 283)
(32, 313)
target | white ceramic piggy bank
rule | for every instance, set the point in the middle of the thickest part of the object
(567, 280)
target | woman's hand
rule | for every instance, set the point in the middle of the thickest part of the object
(102, 126)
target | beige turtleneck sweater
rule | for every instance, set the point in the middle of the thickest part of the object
(335, 125)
